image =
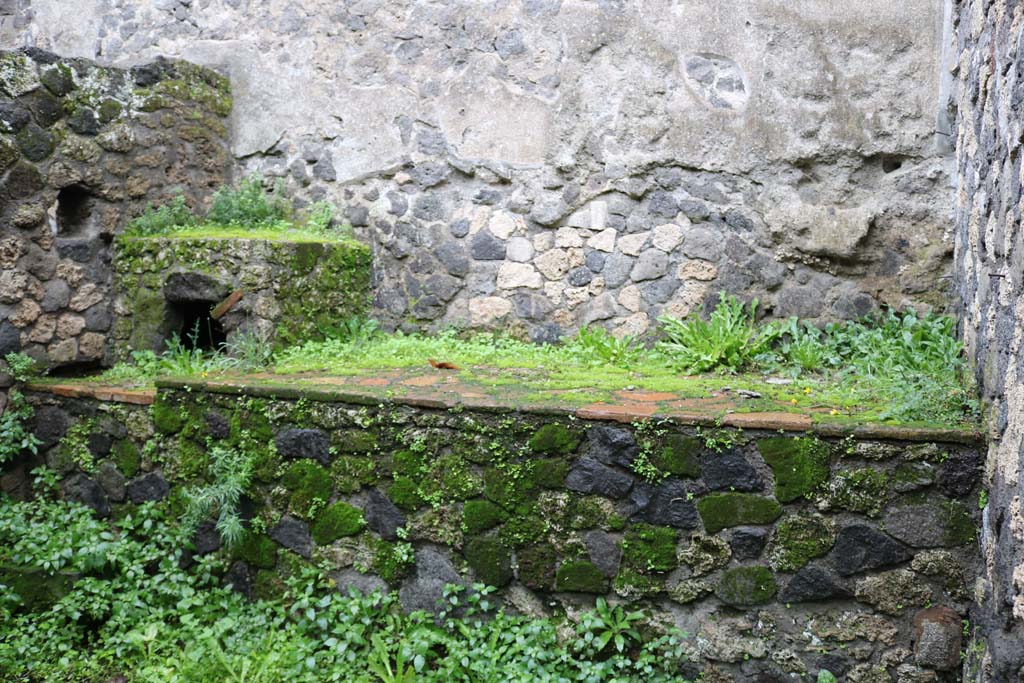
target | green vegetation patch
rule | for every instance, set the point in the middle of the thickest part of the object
(337, 521)
(351, 473)
(647, 548)
(257, 550)
(800, 465)
(309, 486)
(490, 560)
(865, 490)
(678, 455)
(555, 439)
(481, 515)
(580, 576)
(723, 510)
(536, 565)
(799, 539)
(746, 586)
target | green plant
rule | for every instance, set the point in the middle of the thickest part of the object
(355, 331)
(164, 219)
(15, 435)
(728, 340)
(182, 359)
(230, 472)
(609, 627)
(826, 676)
(596, 343)
(22, 367)
(248, 205)
(380, 663)
(250, 350)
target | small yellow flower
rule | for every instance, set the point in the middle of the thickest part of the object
(793, 401)
(833, 412)
(807, 390)
(203, 373)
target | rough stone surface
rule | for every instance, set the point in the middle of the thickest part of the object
(590, 476)
(304, 443)
(293, 534)
(988, 99)
(612, 445)
(730, 471)
(84, 490)
(607, 119)
(425, 589)
(859, 548)
(382, 517)
(812, 583)
(151, 486)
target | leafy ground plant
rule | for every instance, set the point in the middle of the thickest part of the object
(135, 613)
(229, 474)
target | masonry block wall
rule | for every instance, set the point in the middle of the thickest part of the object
(989, 105)
(780, 554)
(83, 149)
(546, 164)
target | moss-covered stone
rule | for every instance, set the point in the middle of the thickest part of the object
(268, 585)
(586, 512)
(509, 489)
(799, 539)
(723, 510)
(37, 589)
(550, 473)
(580, 576)
(960, 527)
(490, 560)
(337, 521)
(351, 473)
(800, 465)
(537, 566)
(678, 455)
(407, 463)
(355, 441)
(126, 456)
(647, 548)
(404, 493)
(309, 486)
(447, 479)
(525, 526)
(555, 439)
(746, 586)
(632, 585)
(391, 561)
(257, 550)
(167, 417)
(865, 490)
(705, 553)
(481, 515)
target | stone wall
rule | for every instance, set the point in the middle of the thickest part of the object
(989, 105)
(83, 149)
(285, 291)
(564, 162)
(780, 555)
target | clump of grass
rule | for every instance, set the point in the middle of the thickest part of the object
(249, 205)
(172, 216)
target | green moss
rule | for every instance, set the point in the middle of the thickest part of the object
(408, 463)
(37, 589)
(960, 527)
(647, 548)
(448, 479)
(509, 489)
(555, 439)
(616, 523)
(266, 464)
(746, 586)
(191, 460)
(110, 110)
(523, 527)
(800, 465)
(550, 473)
(537, 566)
(580, 576)
(167, 418)
(355, 441)
(351, 473)
(490, 560)
(723, 510)
(309, 486)
(306, 256)
(799, 539)
(391, 561)
(865, 490)
(127, 457)
(481, 515)
(584, 512)
(631, 584)
(336, 521)
(404, 493)
(257, 550)
(678, 455)
(268, 585)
